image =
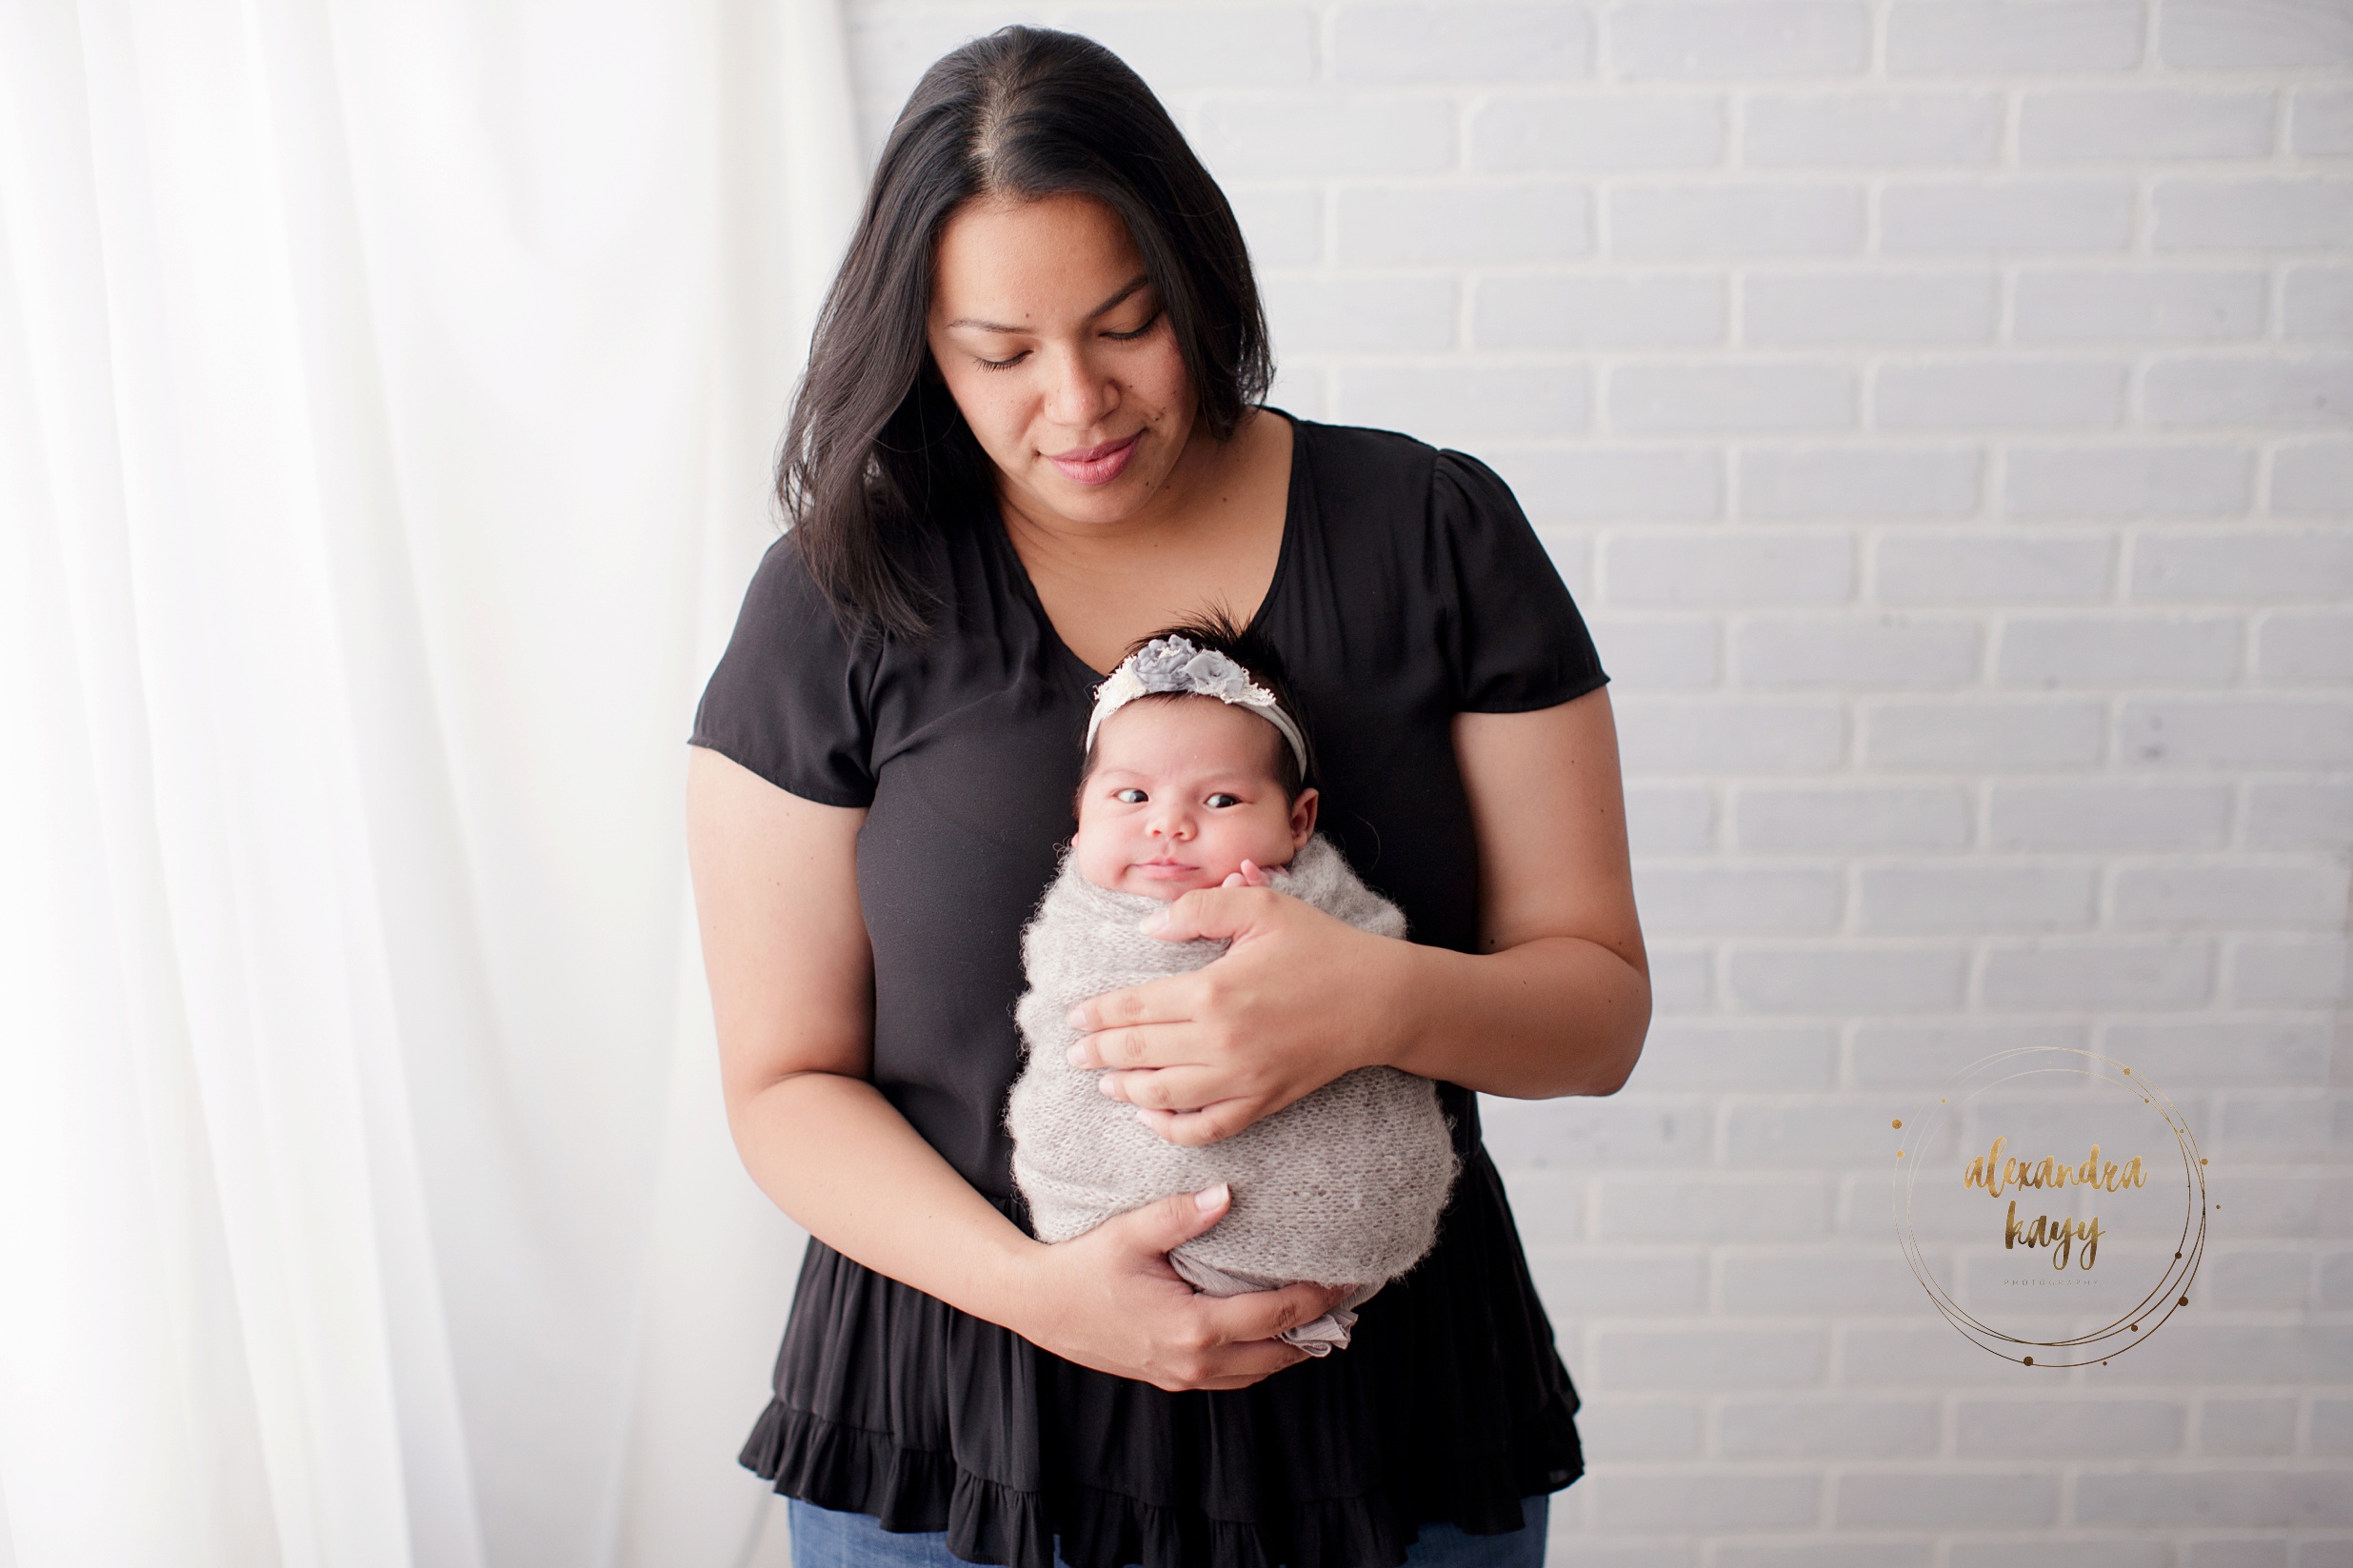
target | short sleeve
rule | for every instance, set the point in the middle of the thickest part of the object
(789, 699)
(1515, 638)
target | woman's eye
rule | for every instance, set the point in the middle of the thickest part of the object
(1000, 364)
(1131, 796)
(1150, 322)
(1221, 800)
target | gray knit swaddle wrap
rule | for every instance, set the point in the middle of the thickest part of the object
(1341, 1187)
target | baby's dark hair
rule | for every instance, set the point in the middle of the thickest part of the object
(1215, 631)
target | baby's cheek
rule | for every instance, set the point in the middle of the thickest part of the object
(1275, 846)
(1097, 854)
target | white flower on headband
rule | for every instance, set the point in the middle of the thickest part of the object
(1125, 685)
(1176, 664)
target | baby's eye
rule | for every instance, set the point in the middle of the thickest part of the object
(1221, 800)
(1131, 796)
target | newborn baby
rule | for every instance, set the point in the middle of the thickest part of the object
(1196, 777)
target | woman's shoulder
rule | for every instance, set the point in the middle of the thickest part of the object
(1437, 534)
(791, 614)
(1391, 473)
(782, 583)
(1362, 458)
(788, 699)
(1430, 505)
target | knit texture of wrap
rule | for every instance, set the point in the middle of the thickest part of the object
(1342, 1188)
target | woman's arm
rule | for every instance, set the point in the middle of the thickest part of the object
(791, 977)
(1557, 1001)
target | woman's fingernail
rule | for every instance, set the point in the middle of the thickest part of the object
(1152, 922)
(1209, 1198)
(1076, 1018)
(1104, 1085)
(1077, 1055)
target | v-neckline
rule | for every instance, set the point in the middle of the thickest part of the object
(1284, 551)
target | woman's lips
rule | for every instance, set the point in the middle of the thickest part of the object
(1093, 466)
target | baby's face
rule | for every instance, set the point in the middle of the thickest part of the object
(1181, 794)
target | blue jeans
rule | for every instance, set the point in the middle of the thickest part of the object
(824, 1539)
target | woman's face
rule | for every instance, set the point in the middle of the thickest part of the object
(1057, 352)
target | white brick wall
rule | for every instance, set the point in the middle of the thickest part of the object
(1943, 411)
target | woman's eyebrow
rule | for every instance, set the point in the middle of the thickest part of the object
(1112, 304)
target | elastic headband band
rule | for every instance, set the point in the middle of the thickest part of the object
(1175, 665)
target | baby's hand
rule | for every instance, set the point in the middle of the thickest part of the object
(1251, 875)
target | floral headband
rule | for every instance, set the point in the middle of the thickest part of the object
(1175, 664)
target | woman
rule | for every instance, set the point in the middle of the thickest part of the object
(1029, 434)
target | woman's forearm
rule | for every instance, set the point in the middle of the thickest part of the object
(1551, 1016)
(791, 977)
(841, 1161)
(836, 1156)
(1558, 1000)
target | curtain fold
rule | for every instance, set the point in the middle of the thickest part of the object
(385, 400)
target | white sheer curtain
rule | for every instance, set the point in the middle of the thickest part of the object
(386, 395)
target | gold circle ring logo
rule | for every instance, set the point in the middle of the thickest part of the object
(2087, 1073)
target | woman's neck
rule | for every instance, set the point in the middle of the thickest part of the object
(1210, 538)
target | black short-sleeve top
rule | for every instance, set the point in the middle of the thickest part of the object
(1409, 588)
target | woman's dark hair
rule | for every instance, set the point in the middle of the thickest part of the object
(875, 452)
(1216, 631)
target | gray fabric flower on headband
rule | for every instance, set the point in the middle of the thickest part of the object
(1171, 663)
(1176, 664)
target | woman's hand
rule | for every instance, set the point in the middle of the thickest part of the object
(775, 879)
(1298, 1000)
(1554, 1001)
(1109, 1300)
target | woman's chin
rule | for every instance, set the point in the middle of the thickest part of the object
(1114, 501)
(1097, 508)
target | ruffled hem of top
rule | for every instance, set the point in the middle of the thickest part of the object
(851, 1470)
(1451, 1406)
(854, 1472)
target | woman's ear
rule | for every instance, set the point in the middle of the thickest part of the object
(1303, 817)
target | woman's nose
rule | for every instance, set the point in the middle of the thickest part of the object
(1079, 393)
